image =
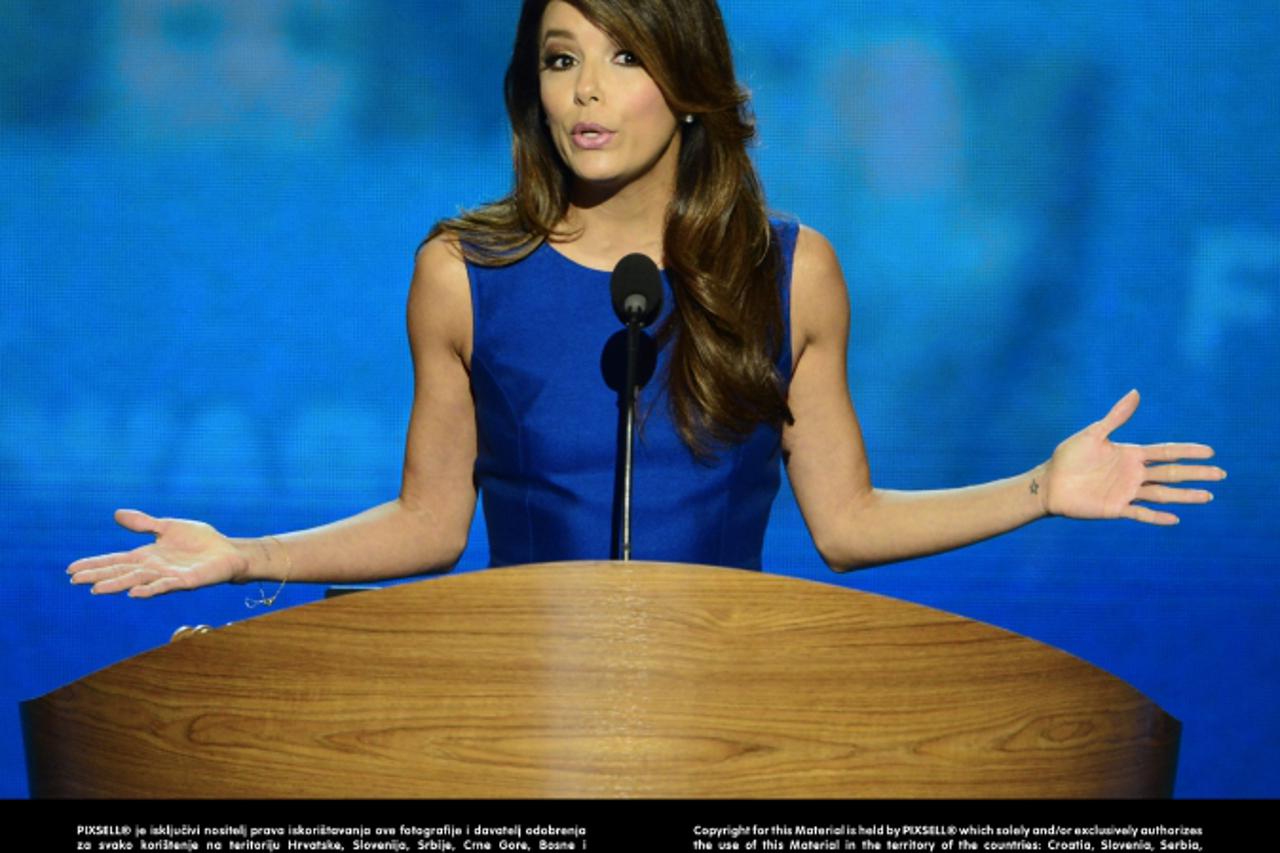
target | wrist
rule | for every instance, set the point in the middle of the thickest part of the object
(1038, 488)
(257, 561)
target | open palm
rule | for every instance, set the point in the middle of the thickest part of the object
(185, 555)
(1091, 476)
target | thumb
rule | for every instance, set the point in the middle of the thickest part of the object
(1120, 413)
(137, 521)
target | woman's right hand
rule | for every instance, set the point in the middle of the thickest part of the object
(185, 555)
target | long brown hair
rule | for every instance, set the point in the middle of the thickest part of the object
(726, 330)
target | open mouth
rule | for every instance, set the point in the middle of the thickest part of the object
(591, 135)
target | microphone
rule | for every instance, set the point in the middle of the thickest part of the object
(636, 288)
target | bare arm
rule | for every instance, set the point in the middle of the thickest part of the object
(854, 524)
(424, 528)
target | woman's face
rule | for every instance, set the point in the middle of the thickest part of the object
(607, 117)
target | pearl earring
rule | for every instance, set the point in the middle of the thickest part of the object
(688, 118)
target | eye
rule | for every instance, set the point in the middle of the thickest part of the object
(557, 61)
(626, 57)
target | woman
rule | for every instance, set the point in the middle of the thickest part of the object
(630, 136)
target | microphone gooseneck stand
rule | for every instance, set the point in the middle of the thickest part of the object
(636, 288)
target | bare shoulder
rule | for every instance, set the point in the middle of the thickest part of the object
(440, 296)
(439, 267)
(814, 253)
(819, 298)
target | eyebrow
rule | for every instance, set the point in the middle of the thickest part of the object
(550, 34)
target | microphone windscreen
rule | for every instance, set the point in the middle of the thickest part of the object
(636, 275)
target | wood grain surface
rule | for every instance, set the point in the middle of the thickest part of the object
(602, 680)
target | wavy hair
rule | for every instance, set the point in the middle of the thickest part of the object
(726, 330)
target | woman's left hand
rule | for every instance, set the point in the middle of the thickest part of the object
(1090, 476)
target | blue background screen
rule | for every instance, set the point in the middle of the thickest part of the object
(208, 220)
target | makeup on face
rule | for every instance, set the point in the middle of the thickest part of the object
(609, 121)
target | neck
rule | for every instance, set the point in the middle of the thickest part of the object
(610, 222)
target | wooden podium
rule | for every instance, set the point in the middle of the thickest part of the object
(602, 680)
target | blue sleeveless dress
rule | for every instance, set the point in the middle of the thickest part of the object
(548, 436)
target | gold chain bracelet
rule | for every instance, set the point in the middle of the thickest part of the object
(262, 598)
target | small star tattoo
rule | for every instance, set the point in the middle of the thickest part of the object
(1035, 486)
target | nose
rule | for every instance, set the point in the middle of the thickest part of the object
(587, 87)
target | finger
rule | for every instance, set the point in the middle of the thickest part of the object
(1172, 451)
(156, 587)
(137, 521)
(1183, 473)
(1149, 516)
(122, 582)
(1120, 412)
(99, 561)
(105, 573)
(1167, 495)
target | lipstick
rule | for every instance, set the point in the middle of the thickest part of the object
(591, 136)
